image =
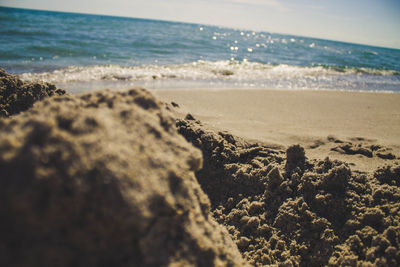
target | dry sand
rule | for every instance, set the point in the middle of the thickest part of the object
(337, 206)
(108, 179)
(104, 179)
(341, 125)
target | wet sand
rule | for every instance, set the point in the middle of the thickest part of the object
(321, 121)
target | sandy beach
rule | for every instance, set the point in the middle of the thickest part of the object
(199, 133)
(317, 120)
(198, 177)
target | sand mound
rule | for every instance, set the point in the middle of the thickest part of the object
(287, 210)
(103, 179)
(17, 96)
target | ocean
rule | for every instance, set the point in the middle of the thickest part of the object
(80, 52)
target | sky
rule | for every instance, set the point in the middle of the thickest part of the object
(372, 22)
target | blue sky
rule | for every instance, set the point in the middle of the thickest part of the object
(374, 22)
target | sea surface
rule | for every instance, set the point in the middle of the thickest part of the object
(81, 52)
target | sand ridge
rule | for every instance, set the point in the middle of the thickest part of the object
(314, 119)
(281, 208)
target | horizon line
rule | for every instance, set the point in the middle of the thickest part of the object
(202, 24)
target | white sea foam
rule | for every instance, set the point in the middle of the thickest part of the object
(200, 70)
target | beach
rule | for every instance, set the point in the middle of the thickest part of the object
(317, 120)
(198, 177)
(143, 142)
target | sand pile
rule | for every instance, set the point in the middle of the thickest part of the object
(104, 179)
(17, 96)
(282, 209)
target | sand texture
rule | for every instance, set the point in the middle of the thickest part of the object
(361, 129)
(17, 96)
(281, 208)
(112, 178)
(104, 179)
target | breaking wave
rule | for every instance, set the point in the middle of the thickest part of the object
(199, 70)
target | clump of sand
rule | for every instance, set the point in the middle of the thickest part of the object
(358, 148)
(281, 208)
(17, 96)
(104, 179)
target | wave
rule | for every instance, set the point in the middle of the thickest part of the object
(11, 32)
(199, 70)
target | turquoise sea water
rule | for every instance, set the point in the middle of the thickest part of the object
(81, 52)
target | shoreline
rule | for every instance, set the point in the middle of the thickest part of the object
(160, 85)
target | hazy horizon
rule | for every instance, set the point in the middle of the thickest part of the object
(375, 23)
